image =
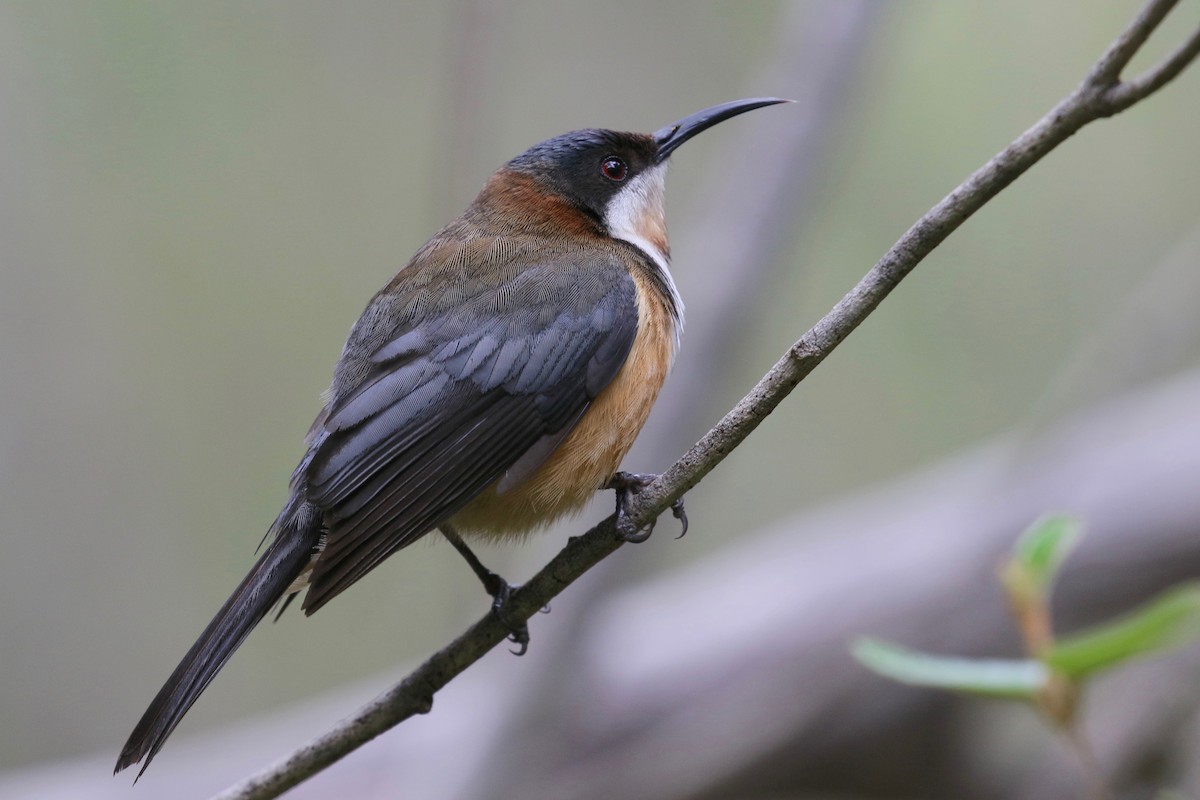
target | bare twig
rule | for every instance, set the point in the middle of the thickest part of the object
(1121, 95)
(1100, 95)
(1107, 70)
(1091, 101)
(1105, 76)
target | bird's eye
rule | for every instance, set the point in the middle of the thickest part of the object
(613, 168)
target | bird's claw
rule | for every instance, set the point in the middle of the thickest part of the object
(499, 589)
(680, 514)
(518, 631)
(626, 485)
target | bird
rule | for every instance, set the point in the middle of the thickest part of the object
(493, 386)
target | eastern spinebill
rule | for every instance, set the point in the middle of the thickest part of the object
(490, 388)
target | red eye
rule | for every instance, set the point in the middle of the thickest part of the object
(613, 168)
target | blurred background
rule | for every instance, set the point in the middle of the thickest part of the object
(197, 200)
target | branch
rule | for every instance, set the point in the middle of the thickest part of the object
(1100, 95)
(1122, 95)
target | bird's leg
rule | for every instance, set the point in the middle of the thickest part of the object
(626, 485)
(494, 585)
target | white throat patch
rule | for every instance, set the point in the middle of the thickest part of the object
(637, 214)
(639, 208)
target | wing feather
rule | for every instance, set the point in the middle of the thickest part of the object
(466, 387)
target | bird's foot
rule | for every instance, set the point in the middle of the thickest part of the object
(626, 485)
(501, 590)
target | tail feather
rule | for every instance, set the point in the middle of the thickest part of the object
(282, 562)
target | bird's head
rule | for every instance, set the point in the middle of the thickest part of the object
(617, 179)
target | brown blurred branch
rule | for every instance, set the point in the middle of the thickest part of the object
(754, 638)
(1101, 94)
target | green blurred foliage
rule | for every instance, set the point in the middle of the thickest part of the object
(1006, 679)
(1169, 621)
(196, 201)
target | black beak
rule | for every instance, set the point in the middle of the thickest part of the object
(679, 132)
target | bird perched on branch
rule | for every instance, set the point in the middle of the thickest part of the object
(491, 387)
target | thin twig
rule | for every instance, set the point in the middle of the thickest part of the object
(1126, 93)
(1100, 95)
(1108, 68)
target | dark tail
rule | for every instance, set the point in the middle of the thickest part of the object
(285, 558)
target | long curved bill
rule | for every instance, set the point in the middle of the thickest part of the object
(675, 134)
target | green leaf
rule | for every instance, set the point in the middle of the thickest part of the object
(1041, 549)
(1011, 679)
(1170, 620)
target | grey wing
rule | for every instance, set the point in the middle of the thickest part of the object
(454, 402)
